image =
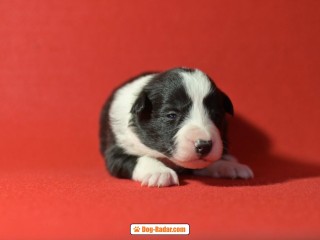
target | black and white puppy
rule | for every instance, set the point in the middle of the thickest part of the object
(158, 124)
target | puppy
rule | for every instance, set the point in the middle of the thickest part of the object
(159, 124)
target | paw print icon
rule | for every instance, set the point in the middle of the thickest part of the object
(136, 229)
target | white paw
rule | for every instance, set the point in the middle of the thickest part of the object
(153, 173)
(160, 179)
(226, 169)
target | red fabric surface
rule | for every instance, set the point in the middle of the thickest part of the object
(59, 60)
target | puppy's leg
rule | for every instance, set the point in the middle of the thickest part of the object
(226, 167)
(119, 163)
(149, 171)
(153, 173)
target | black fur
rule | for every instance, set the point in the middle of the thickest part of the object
(162, 96)
(120, 164)
(218, 104)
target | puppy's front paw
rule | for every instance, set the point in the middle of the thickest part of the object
(160, 179)
(153, 173)
(226, 168)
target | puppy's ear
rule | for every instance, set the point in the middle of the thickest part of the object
(142, 106)
(227, 104)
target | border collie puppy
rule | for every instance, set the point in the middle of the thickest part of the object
(159, 124)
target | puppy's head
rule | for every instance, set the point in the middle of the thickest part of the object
(181, 114)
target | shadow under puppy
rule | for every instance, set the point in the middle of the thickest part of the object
(159, 124)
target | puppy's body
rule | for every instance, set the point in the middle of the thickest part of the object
(158, 124)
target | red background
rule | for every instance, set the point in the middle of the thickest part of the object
(59, 60)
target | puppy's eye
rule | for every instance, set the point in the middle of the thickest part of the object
(172, 116)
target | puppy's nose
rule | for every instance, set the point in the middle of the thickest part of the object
(203, 147)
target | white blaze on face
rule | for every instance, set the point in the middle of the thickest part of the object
(197, 125)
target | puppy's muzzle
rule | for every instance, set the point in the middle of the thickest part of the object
(203, 147)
